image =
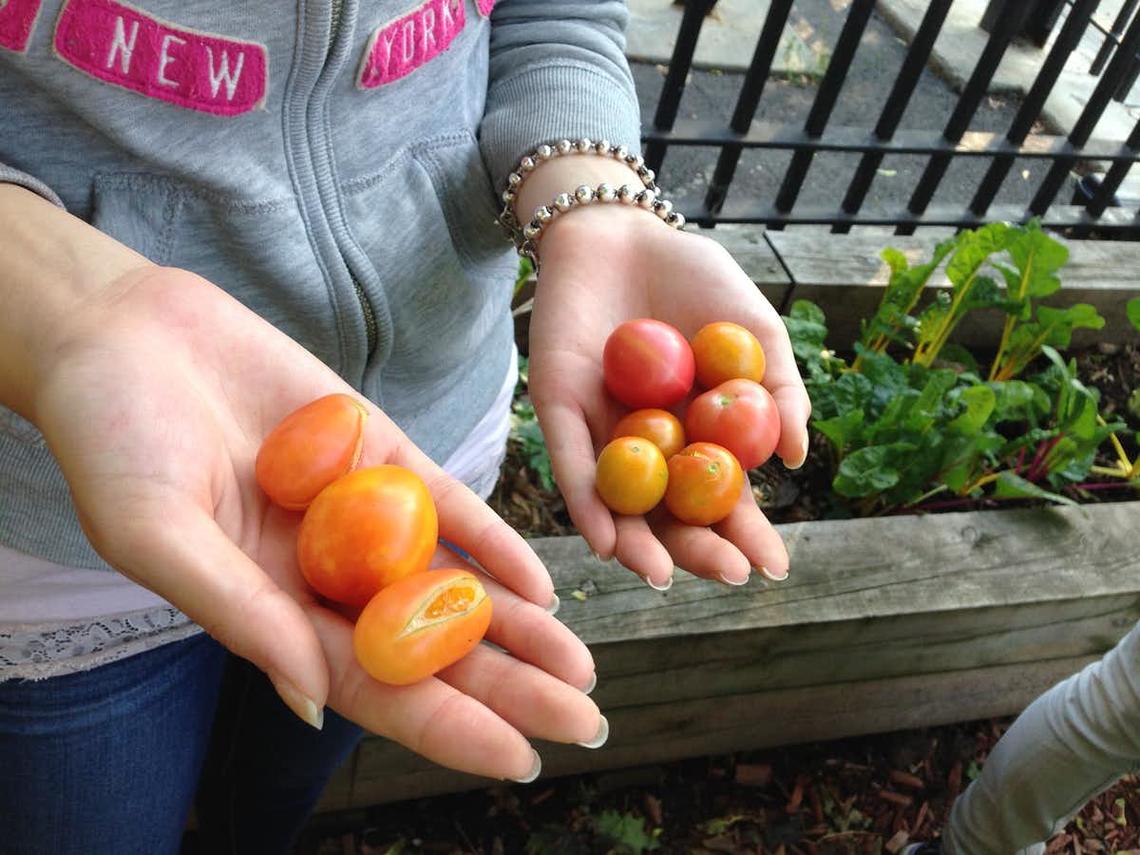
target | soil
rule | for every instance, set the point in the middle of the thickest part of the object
(864, 796)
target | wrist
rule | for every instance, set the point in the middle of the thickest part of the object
(55, 266)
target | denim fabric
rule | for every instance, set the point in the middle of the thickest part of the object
(107, 761)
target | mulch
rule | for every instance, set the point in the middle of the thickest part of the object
(860, 796)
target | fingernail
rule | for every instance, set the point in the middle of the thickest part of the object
(593, 684)
(601, 736)
(768, 574)
(303, 706)
(554, 605)
(803, 455)
(668, 584)
(535, 769)
(737, 582)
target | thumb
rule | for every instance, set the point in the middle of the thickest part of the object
(187, 559)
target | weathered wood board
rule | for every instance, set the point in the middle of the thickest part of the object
(845, 275)
(884, 624)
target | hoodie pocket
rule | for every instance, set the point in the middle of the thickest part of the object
(257, 251)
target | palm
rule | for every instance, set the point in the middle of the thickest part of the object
(156, 412)
(591, 282)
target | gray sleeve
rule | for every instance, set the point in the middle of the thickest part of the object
(558, 69)
(10, 175)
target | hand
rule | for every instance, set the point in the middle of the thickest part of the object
(605, 264)
(155, 399)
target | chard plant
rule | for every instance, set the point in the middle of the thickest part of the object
(914, 417)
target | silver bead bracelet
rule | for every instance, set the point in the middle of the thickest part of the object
(526, 238)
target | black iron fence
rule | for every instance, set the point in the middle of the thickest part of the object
(1115, 70)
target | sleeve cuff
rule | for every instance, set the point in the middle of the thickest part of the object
(551, 102)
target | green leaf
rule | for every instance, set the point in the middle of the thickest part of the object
(869, 470)
(807, 328)
(980, 402)
(1038, 257)
(974, 248)
(902, 292)
(626, 831)
(1010, 486)
(841, 430)
(955, 354)
(1133, 311)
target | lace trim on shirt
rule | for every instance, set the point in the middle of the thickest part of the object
(42, 650)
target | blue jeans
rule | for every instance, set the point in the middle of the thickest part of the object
(109, 760)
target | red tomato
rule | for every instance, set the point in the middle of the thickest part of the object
(741, 416)
(366, 530)
(660, 427)
(309, 449)
(647, 363)
(705, 481)
(631, 475)
(727, 351)
(420, 625)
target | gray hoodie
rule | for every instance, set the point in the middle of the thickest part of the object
(332, 164)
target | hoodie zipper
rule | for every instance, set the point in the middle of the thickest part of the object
(370, 326)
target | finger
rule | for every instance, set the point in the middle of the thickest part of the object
(529, 633)
(430, 717)
(464, 518)
(782, 378)
(701, 551)
(536, 703)
(191, 562)
(749, 530)
(639, 549)
(572, 458)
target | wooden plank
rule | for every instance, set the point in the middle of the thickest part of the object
(884, 623)
(656, 733)
(845, 276)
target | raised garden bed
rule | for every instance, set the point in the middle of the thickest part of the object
(885, 623)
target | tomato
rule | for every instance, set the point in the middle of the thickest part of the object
(631, 475)
(309, 449)
(647, 363)
(705, 481)
(738, 414)
(366, 530)
(421, 624)
(727, 351)
(660, 427)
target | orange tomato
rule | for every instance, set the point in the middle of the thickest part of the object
(660, 427)
(421, 624)
(705, 482)
(727, 351)
(366, 530)
(309, 449)
(631, 475)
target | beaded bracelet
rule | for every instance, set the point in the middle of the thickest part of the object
(525, 238)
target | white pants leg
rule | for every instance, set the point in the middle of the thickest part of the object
(1070, 744)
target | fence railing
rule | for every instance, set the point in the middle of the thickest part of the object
(956, 139)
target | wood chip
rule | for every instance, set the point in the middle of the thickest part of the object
(753, 774)
(900, 799)
(906, 779)
(896, 843)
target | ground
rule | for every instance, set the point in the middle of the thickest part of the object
(863, 796)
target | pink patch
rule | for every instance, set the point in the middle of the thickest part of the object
(485, 7)
(401, 46)
(17, 17)
(121, 45)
